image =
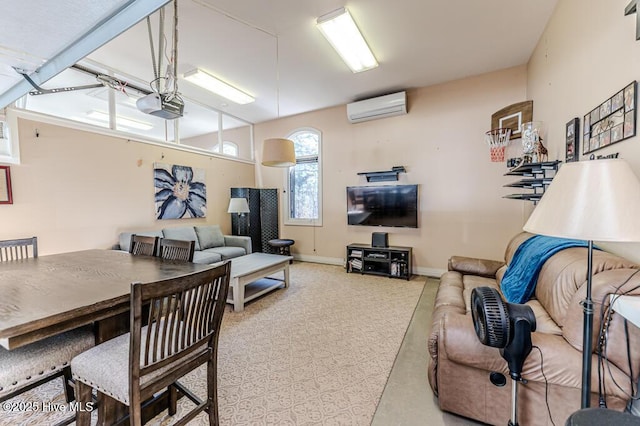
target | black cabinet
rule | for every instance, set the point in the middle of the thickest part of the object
(393, 262)
(261, 223)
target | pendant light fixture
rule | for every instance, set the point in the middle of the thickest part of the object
(278, 152)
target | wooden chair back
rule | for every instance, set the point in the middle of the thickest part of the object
(18, 249)
(182, 333)
(143, 246)
(176, 249)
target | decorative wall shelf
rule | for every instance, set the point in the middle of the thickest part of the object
(385, 175)
(539, 175)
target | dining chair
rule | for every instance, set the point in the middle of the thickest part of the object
(34, 364)
(18, 249)
(143, 246)
(176, 249)
(182, 334)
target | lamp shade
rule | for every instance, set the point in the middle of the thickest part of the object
(595, 200)
(278, 152)
(238, 205)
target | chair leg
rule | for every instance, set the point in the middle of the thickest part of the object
(83, 396)
(212, 390)
(173, 399)
(68, 384)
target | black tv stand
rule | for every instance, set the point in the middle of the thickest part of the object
(392, 262)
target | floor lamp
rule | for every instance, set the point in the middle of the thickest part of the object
(595, 200)
(238, 206)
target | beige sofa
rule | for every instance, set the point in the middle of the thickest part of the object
(211, 245)
(460, 365)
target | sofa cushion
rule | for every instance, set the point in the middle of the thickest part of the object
(514, 244)
(206, 257)
(227, 252)
(544, 322)
(564, 272)
(472, 281)
(186, 233)
(209, 236)
(125, 238)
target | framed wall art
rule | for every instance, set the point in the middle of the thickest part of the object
(612, 121)
(6, 197)
(572, 135)
(180, 191)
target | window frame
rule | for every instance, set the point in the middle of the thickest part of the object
(225, 144)
(22, 110)
(288, 220)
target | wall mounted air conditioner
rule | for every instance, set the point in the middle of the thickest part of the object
(380, 107)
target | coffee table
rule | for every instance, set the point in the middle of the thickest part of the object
(248, 277)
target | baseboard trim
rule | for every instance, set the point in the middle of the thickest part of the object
(429, 272)
(319, 259)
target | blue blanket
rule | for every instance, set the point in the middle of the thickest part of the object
(519, 281)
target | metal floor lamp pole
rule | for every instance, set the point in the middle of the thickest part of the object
(587, 336)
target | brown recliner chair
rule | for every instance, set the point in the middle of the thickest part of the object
(460, 365)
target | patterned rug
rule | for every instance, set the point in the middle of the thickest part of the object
(316, 353)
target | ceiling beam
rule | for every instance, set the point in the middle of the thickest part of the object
(124, 18)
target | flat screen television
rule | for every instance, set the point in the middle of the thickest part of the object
(386, 205)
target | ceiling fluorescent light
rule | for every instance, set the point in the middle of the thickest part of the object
(343, 34)
(219, 87)
(120, 121)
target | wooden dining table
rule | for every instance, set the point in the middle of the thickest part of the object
(44, 296)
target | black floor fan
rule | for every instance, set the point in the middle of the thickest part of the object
(506, 326)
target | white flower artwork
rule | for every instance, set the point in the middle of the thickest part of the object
(181, 192)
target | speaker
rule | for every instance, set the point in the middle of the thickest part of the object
(380, 239)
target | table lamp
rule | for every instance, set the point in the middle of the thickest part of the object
(595, 200)
(240, 207)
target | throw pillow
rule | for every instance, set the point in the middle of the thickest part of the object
(186, 233)
(210, 236)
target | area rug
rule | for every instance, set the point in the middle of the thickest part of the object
(316, 353)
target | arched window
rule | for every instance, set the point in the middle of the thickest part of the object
(228, 148)
(304, 181)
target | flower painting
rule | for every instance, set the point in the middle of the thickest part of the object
(180, 192)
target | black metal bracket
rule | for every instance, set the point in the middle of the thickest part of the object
(384, 175)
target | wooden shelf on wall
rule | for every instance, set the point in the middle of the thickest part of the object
(383, 176)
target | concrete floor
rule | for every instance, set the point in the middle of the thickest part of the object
(407, 399)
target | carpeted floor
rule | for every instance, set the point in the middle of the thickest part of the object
(319, 352)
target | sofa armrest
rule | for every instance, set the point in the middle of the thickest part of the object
(473, 266)
(238, 241)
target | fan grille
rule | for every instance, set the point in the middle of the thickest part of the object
(490, 318)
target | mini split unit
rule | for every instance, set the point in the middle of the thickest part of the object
(380, 107)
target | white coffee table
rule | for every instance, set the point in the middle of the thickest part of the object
(247, 273)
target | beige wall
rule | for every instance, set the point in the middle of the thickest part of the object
(72, 186)
(77, 190)
(587, 53)
(441, 143)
